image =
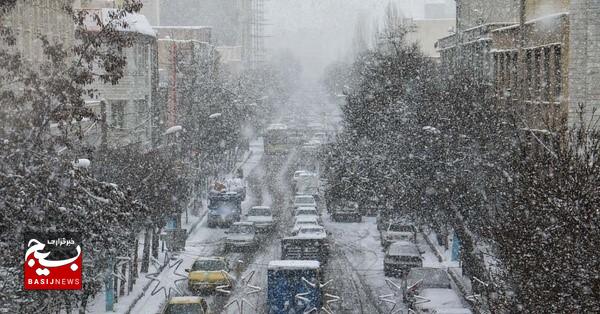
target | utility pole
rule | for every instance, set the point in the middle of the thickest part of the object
(103, 126)
(521, 55)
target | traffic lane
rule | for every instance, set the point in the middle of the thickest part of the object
(356, 267)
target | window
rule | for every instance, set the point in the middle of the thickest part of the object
(117, 114)
(557, 72)
(546, 74)
(529, 76)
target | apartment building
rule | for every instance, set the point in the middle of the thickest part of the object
(560, 61)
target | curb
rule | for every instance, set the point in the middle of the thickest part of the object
(433, 248)
(145, 288)
(463, 290)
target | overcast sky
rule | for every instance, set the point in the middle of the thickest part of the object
(321, 31)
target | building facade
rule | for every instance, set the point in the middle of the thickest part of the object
(128, 108)
(559, 57)
(584, 61)
(31, 19)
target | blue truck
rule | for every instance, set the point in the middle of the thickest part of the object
(224, 208)
(293, 287)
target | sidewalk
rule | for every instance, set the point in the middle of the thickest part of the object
(127, 302)
(455, 271)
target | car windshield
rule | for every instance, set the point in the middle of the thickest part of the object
(208, 265)
(184, 309)
(310, 230)
(401, 228)
(306, 212)
(259, 212)
(304, 200)
(241, 229)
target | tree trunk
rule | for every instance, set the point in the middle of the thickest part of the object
(135, 258)
(155, 242)
(123, 282)
(132, 273)
(84, 300)
(146, 251)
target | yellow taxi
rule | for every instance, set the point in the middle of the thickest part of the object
(207, 274)
(186, 305)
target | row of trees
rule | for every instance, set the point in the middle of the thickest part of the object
(441, 150)
(124, 191)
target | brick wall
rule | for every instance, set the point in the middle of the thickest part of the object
(584, 66)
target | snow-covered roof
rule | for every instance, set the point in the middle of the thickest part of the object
(539, 19)
(136, 22)
(182, 27)
(293, 264)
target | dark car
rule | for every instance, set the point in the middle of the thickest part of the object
(348, 212)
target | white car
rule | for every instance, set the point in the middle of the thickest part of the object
(315, 231)
(241, 236)
(398, 232)
(304, 201)
(307, 219)
(306, 211)
(262, 217)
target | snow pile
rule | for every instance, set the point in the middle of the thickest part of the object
(173, 129)
(81, 163)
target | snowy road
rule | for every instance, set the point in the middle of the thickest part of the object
(355, 265)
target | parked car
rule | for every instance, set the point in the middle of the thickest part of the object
(304, 201)
(186, 305)
(262, 217)
(347, 212)
(400, 257)
(208, 273)
(241, 236)
(398, 232)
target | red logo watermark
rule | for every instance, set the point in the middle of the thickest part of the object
(52, 262)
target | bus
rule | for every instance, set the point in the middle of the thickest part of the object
(275, 141)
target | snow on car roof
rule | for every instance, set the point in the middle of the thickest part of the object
(277, 126)
(439, 298)
(243, 223)
(403, 248)
(261, 207)
(185, 300)
(293, 264)
(306, 218)
(431, 277)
